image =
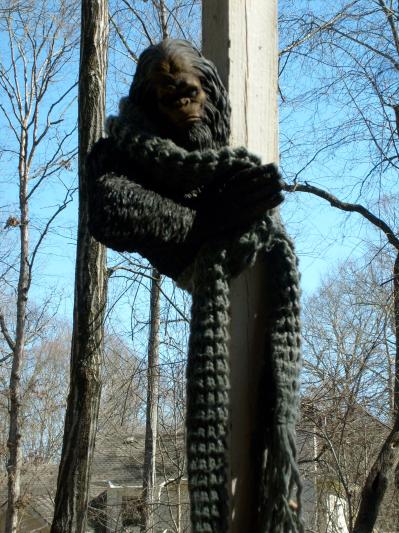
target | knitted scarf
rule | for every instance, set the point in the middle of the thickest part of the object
(172, 169)
(208, 382)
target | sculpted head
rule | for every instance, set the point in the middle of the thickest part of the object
(180, 95)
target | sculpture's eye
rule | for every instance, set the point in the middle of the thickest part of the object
(167, 99)
(193, 93)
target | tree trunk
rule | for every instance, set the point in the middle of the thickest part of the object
(163, 19)
(152, 407)
(396, 313)
(90, 290)
(14, 436)
(383, 470)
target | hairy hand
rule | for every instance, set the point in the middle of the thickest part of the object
(242, 200)
(255, 189)
(104, 158)
(247, 196)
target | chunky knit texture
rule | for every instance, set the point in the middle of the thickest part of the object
(126, 216)
(169, 163)
(208, 382)
(148, 196)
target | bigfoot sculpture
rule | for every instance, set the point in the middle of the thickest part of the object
(165, 184)
(160, 154)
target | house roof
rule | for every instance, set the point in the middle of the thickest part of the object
(37, 489)
(118, 461)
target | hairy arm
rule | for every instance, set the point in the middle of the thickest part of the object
(173, 169)
(126, 216)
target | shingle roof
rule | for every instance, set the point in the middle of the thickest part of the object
(118, 460)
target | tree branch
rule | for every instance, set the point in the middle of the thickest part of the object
(124, 41)
(389, 14)
(312, 33)
(344, 206)
(6, 333)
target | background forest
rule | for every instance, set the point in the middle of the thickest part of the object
(339, 155)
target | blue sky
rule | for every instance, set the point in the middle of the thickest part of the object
(323, 235)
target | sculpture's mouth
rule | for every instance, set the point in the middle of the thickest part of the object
(189, 120)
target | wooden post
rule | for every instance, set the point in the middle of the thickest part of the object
(240, 37)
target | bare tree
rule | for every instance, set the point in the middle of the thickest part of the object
(33, 107)
(149, 470)
(349, 344)
(90, 289)
(45, 387)
(355, 47)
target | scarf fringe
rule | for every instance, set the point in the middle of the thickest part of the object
(208, 383)
(281, 486)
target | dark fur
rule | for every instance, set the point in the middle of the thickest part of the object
(198, 211)
(125, 190)
(215, 131)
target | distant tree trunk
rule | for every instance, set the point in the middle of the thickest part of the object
(383, 470)
(396, 312)
(152, 407)
(90, 290)
(14, 436)
(163, 19)
(150, 449)
(377, 482)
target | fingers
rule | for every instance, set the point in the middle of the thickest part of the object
(268, 203)
(265, 172)
(257, 188)
(250, 194)
(233, 210)
(264, 200)
(264, 177)
(254, 208)
(104, 157)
